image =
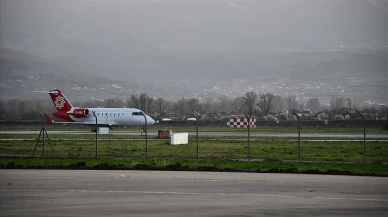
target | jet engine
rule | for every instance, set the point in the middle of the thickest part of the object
(80, 112)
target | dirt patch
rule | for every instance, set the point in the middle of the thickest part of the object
(142, 167)
(207, 168)
(338, 172)
(103, 166)
(11, 165)
(227, 169)
(312, 171)
(176, 167)
(106, 166)
(78, 165)
(272, 170)
(290, 170)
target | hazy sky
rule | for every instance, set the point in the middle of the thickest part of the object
(139, 38)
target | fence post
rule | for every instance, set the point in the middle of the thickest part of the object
(94, 114)
(146, 132)
(364, 135)
(298, 135)
(249, 137)
(196, 120)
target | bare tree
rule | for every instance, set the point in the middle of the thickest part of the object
(159, 102)
(181, 106)
(237, 104)
(114, 103)
(119, 103)
(223, 102)
(110, 103)
(336, 103)
(193, 104)
(249, 101)
(348, 102)
(278, 103)
(291, 102)
(143, 98)
(129, 103)
(13, 105)
(168, 107)
(332, 102)
(208, 105)
(313, 104)
(135, 101)
(149, 103)
(339, 102)
(142, 102)
(90, 104)
(265, 103)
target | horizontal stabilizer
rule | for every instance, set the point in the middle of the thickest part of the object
(49, 92)
(48, 119)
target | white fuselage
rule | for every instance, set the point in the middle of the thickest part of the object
(115, 117)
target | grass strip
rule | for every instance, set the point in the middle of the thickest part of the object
(192, 128)
(92, 136)
(193, 165)
(332, 151)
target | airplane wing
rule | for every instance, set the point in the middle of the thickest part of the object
(50, 121)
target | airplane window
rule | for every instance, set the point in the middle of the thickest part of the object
(114, 114)
(110, 114)
(106, 114)
(118, 114)
(136, 113)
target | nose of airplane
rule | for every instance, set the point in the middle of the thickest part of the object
(150, 120)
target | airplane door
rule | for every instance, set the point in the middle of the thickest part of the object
(106, 118)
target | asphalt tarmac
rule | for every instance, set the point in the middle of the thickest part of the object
(253, 134)
(163, 193)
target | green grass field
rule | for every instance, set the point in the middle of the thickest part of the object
(114, 146)
(216, 153)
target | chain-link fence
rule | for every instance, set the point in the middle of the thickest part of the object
(282, 149)
(209, 147)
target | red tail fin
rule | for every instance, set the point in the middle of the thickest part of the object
(48, 119)
(60, 101)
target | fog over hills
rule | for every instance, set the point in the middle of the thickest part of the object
(162, 45)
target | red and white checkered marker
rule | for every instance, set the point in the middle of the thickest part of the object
(241, 123)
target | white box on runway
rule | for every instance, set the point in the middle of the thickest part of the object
(179, 138)
(103, 130)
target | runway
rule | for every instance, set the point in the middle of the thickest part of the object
(164, 193)
(253, 134)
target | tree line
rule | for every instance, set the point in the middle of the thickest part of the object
(252, 103)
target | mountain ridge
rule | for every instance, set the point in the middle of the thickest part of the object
(22, 73)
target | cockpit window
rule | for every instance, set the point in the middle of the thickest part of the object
(136, 113)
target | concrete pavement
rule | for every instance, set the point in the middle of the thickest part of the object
(165, 193)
